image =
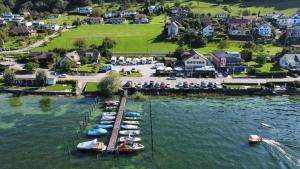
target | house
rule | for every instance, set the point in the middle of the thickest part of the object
(93, 56)
(208, 31)
(152, 9)
(26, 24)
(173, 29)
(141, 18)
(283, 21)
(176, 10)
(93, 20)
(22, 31)
(72, 56)
(206, 20)
(128, 13)
(293, 33)
(116, 20)
(26, 14)
(290, 62)
(111, 14)
(44, 58)
(195, 64)
(37, 24)
(17, 19)
(265, 30)
(31, 81)
(84, 10)
(7, 16)
(295, 19)
(239, 27)
(52, 27)
(53, 16)
(229, 62)
(170, 61)
(252, 18)
(222, 16)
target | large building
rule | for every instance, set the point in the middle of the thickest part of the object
(228, 62)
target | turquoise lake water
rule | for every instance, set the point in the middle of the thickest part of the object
(188, 133)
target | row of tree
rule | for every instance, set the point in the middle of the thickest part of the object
(9, 77)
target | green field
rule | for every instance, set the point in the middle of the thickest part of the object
(64, 18)
(59, 87)
(130, 38)
(91, 87)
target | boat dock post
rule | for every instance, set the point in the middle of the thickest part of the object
(115, 132)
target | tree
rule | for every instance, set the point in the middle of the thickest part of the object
(84, 60)
(246, 54)
(31, 67)
(41, 77)
(108, 43)
(223, 44)
(97, 12)
(109, 85)
(67, 65)
(80, 43)
(261, 59)
(9, 77)
(106, 53)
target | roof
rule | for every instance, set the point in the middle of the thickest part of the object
(192, 53)
(239, 21)
(40, 55)
(170, 59)
(73, 56)
(222, 54)
(292, 57)
(21, 30)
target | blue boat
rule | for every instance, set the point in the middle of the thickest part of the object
(104, 126)
(97, 132)
(132, 114)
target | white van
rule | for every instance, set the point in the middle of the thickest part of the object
(128, 61)
(113, 60)
(150, 60)
(121, 60)
(143, 60)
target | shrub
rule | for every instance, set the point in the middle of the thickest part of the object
(138, 96)
(9, 77)
(109, 85)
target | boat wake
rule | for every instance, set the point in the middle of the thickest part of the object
(279, 150)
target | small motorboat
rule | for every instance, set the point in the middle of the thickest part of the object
(130, 127)
(265, 125)
(130, 132)
(112, 103)
(104, 126)
(92, 145)
(110, 107)
(132, 114)
(107, 122)
(109, 118)
(126, 138)
(131, 122)
(97, 132)
(109, 113)
(130, 148)
(253, 139)
(132, 118)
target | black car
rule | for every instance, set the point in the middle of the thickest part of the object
(145, 85)
(210, 85)
(157, 86)
(151, 85)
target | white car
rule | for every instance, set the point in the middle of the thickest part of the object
(139, 85)
(62, 76)
(134, 70)
(168, 86)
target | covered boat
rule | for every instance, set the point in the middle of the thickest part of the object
(92, 145)
(132, 114)
(131, 122)
(109, 118)
(130, 132)
(253, 139)
(130, 127)
(110, 107)
(130, 148)
(112, 103)
(104, 126)
(109, 113)
(97, 132)
(107, 122)
(132, 118)
(127, 138)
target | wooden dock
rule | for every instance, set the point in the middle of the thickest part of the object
(115, 133)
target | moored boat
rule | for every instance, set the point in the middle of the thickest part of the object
(112, 103)
(109, 113)
(92, 145)
(104, 126)
(109, 118)
(253, 139)
(107, 122)
(132, 118)
(130, 127)
(126, 138)
(110, 107)
(130, 132)
(132, 114)
(97, 132)
(131, 122)
(130, 148)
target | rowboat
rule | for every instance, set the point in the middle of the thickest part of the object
(130, 148)
(97, 132)
(130, 132)
(131, 122)
(132, 114)
(104, 126)
(108, 118)
(107, 122)
(126, 138)
(253, 139)
(92, 145)
(130, 127)
(132, 118)
(109, 113)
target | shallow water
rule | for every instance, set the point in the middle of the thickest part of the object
(193, 133)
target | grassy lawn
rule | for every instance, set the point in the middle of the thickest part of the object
(131, 75)
(64, 18)
(87, 68)
(59, 87)
(91, 87)
(241, 86)
(265, 6)
(161, 19)
(129, 38)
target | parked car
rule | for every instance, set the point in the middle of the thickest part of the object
(151, 85)
(145, 85)
(203, 85)
(171, 78)
(156, 86)
(134, 70)
(219, 86)
(180, 85)
(139, 85)
(62, 76)
(210, 85)
(162, 85)
(197, 85)
(168, 86)
(128, 84)
(192, 85)
(185, 85)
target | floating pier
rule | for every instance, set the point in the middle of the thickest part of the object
(115, 133)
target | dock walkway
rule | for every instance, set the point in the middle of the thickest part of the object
(115, 133)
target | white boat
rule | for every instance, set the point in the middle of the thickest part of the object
(109, 113)
(132, 118)
(107, 122)
(130, 132)
(131, 122)
(253, 139)
(110, 107)
(266, 125)
(92, 145)
(129, 127)
(125, 139)
(110, 118)
(130, 148)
